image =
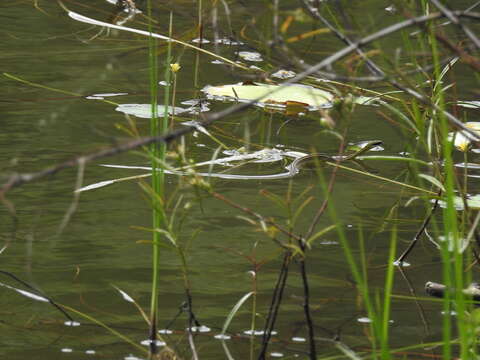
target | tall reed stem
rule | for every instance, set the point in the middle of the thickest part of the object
(157, 151)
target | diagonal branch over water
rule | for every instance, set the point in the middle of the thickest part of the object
(16, 180)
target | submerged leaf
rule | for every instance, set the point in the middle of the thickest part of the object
(145, 110)
(273, 94)
(26, 293)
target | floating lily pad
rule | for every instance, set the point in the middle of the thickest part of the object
(283, 94)
(103, 96)
(250, 55)
(284, 74)
(145, 110)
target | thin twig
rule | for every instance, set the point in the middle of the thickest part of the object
(76, 197)
(275, 304)
(303, 265)
(454, 19)
(306, 305)
(395, 27)
(324, 205)
(411, 290)
(36, 291)
(191, 320)
(420, 231)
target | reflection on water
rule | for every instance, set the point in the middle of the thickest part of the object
(105, 245)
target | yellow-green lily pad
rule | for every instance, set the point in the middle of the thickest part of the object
(145, 110)
(273, 94)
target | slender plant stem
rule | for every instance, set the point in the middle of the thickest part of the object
(158, 153)
(449, 216)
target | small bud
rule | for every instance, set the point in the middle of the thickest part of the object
(175, 67)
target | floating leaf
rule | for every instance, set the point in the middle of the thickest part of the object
(273, 94)
(103, 96)
(250, 55)
(145, 110)
(283, 74)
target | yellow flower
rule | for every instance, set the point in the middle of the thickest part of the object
(463, 140)
(175, 67)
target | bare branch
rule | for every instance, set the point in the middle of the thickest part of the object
(454, 19)
(18, 179)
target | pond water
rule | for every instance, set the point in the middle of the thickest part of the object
(78, 261)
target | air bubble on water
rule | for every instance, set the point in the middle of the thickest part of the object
(198, 41)
(257, 332)
(148, 342)
(299, 339)
(200, 329)
(365, 320)
(71, 323)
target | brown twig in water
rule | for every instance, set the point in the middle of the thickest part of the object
(306, 304)
(275, 305)
(37, 293)
(303, 265)
(76, 197)
(420, 231)
(412, 292)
